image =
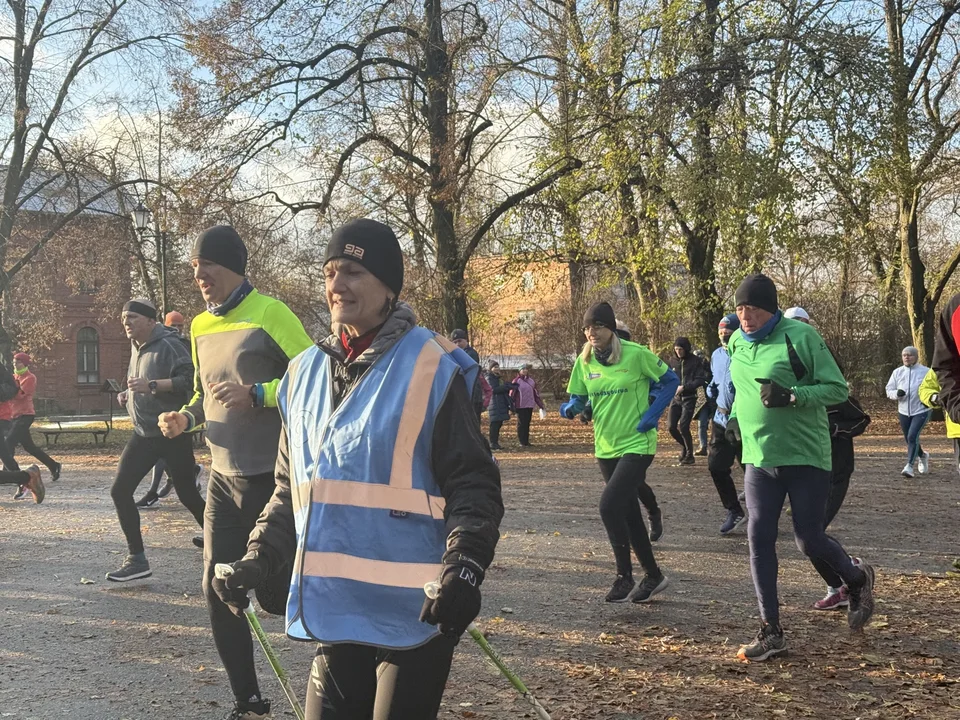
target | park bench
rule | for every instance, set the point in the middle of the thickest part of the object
(76, 425)
(83, 424)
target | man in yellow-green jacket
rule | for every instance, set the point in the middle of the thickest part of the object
(241, 348)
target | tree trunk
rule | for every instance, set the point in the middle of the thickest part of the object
(442, 192)
(914, 277)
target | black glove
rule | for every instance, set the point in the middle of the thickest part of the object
(587, 414)
(901, 393)
(247, 574)
(773, 394)
(458, 600)
(732, 433)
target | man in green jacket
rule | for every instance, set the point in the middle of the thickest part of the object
(241, 347)
(785, 377)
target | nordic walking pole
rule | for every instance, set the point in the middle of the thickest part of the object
(223, 571)
(431, 589)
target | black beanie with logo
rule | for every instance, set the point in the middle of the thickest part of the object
(759, 291)
(222, 245)
(374, 246)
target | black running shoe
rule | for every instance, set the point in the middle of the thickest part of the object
(860, 609)
(198, 541)
(734, 520)
(249, 711)
(165, 490)
(55, 471)
(649, 587)
(656, 525)
(768, 643)
(702, 452)
(622, 588)
(688, 460)
(132, 569)
(148, 500)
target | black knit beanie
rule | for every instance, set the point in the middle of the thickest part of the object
(600, 314)
(374, 246)
(682, 342)
(222, 245)
(759, 291)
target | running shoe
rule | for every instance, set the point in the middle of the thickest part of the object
(649, 587)
(35, 484)
(682, 457)
(249, 711)
(133, 568)
(860, 609)
(21, 493)
(734, 520)
(622, 588)
(907, 471)
(923, 463)
(55, 471)
(656, 525)
(768, 643)
(702, 452)
(688, 460)
(167, 487)
(834, 599)
(496, 447)
(151, 499)
(198, 541)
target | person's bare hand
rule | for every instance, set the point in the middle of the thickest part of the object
(231, 395)
(172, 424)
(138, 385)
(122, 397)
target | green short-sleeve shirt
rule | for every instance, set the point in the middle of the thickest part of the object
(619, 396)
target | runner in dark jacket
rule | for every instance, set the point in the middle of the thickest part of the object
(499, 410)
(693, 375)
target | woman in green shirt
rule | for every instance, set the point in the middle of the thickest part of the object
(618, 377)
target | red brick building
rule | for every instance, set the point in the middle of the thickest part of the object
(64, 306)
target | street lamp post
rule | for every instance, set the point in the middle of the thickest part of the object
(141, 221)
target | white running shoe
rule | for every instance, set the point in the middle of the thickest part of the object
(907, 471)
(923, 463)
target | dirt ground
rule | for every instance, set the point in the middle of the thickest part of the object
(100, 651)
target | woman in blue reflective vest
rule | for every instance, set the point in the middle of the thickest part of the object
(384, 483)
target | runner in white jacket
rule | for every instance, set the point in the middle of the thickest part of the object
(904, 387)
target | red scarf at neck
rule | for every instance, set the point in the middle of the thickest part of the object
(355, 347)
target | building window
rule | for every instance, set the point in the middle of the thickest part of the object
(525, 321)
(88, 357)
(527, 282)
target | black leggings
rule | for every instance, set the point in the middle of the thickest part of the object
(14, 477)
(233, 505)
(9, 461)
(524, 416)
(720, 461)
(495, 426)
(20, 435)
(620, 511)
(350, 682)
(680, 417)
(138, 456)
(843, 466)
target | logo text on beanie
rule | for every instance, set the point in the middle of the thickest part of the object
(353, 250)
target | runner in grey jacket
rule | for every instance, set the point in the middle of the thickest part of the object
(158, 380)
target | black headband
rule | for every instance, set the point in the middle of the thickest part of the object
(140, 309)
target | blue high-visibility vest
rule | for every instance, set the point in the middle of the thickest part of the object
(369, 513)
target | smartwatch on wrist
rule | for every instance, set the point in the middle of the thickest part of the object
(153, 387)
(253, 395)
